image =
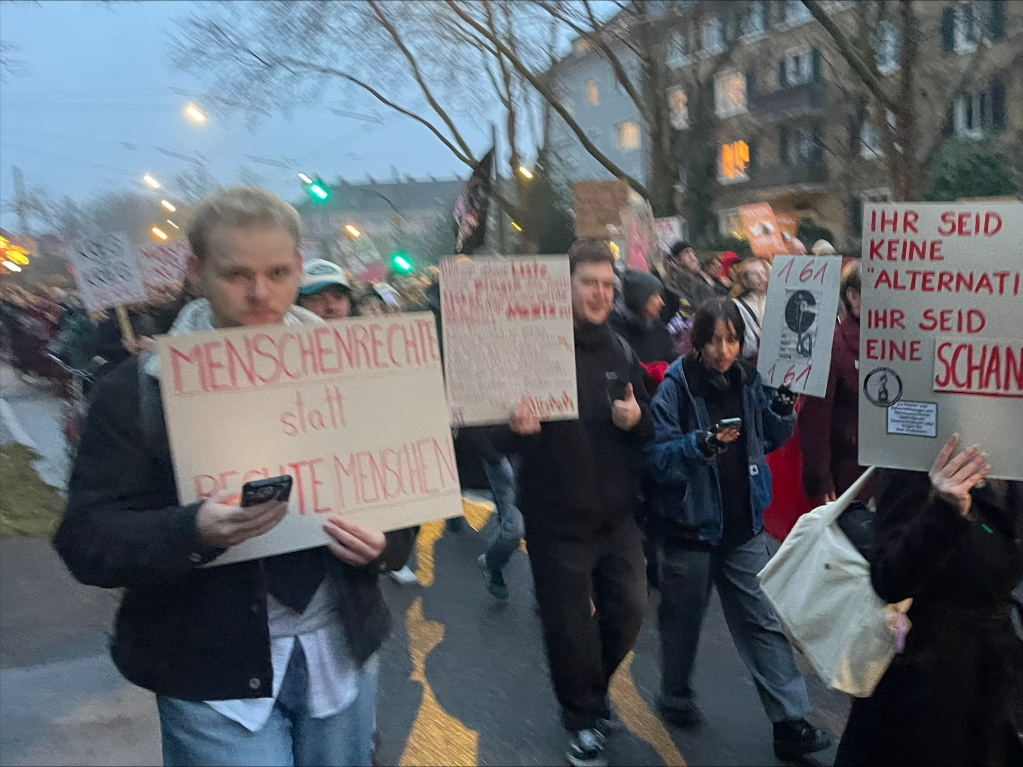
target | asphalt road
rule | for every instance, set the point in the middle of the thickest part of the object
(463, 677)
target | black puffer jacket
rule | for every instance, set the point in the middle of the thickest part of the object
(182, 631)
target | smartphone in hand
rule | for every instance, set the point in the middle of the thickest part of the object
(262, 490)
(728, 423)
(615, 387)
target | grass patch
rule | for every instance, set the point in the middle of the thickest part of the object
(28, 506)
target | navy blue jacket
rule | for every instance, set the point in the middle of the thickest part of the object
(686, 481)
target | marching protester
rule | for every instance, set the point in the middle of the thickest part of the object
(749, 291)
(578, 484)
(713, 426)
(325, 290)
(829, 426)
(639, 320)
(685, 289)
(268, 661)
(711, 264)
(951, 539)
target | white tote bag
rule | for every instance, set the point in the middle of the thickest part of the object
(820, 587)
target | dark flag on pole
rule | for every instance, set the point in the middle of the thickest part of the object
(471, 208)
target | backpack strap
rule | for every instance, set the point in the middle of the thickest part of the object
(630, 355)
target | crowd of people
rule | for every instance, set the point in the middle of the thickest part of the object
(662, 483)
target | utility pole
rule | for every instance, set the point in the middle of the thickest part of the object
(20, 203)
(496, 181)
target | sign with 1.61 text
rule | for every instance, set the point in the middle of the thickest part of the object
(508, 334)
(941, 339)
(799, 323)
(107, 272)
(353, 410)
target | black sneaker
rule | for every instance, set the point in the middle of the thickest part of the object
(686, 717)
(494, 579)
(586, 749)
(796, 738)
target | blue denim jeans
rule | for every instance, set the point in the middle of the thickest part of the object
(686, 578)
(510, 527)
(194, 735)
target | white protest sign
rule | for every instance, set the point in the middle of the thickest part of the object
(508, 334)
(353, 410)
(669, 231)
(799, 323)
(106, 272)
(163, 265)
(941, 340)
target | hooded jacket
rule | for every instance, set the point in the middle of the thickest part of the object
(687, 488)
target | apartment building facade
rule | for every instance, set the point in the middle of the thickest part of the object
(786, 118)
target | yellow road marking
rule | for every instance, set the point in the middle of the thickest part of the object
(436, 736)
(638, 718)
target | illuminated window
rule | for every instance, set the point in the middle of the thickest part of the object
(730, 94)
(592, 94)
(730, 223)
(628, 136)
(678, 103)
(733, 162)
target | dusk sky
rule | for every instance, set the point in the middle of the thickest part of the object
(99, 77)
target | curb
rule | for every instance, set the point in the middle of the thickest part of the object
(11, 429)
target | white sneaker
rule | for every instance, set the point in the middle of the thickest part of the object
(404, 576)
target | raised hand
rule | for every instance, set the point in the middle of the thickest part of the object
(524, 421)
(625, 413)
(952, 477)
(223, 523)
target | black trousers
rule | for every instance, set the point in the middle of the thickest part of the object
(592, 599)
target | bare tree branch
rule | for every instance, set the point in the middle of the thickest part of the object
(554, 102)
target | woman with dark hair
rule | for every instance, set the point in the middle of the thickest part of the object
(952, 539)
(713, 426)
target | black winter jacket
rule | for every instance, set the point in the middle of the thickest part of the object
(182, 631)
(582, 478)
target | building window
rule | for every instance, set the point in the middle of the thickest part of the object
(677, 52)
(678, 105)
(713, 36)
(870, 142)
(733, 162)
(730, 223)
(628, 136)
(730, 94)
(592, 93)
(801, 147)
(887, 48)
(967, 29)
(794, 12)
(797, 66)
(754, 20)
(971, 114)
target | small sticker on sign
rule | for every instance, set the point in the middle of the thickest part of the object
(913, 419)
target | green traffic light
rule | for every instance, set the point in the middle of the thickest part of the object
(318, 190)
(401, 263)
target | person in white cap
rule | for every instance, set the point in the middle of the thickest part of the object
(325, 290)
(823, 248)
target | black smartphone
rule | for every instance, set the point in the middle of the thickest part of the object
(263, 490)
(615, 387)
(728, 423)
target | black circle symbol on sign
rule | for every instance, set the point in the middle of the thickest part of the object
(800, 311)
(883, 387)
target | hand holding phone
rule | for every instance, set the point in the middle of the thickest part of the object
(224, 522)
(727, 430)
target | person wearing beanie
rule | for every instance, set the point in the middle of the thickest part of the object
(638, 320)
(823, 248)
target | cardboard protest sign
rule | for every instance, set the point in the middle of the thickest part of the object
(508, 334)
(642, 249)
(597, 205)
(163, 265)
(106, 272)
(669, 231)
(941, 340)
(799, 323)
(762, 228)
(353, 410)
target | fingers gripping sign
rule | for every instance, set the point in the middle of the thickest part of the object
(625, 413)
(353, 544)
(953, 476)
(524, 420)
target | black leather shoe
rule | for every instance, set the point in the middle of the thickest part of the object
(686, 717)
(796, 738)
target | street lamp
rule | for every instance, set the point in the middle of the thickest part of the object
(158, 233)
(148, 179)
(173, 224)
(168, 205)
(12, 266)
(525, 172)
(304, 178)
(352, 230)
(516, 227)
(196, 115)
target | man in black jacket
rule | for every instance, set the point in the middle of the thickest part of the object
(578, 489)
(267, 661)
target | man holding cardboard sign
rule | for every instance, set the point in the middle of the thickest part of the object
(268, 660)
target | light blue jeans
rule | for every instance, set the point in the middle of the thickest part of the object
(510, 527)
(194, 735)
(686, 577)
